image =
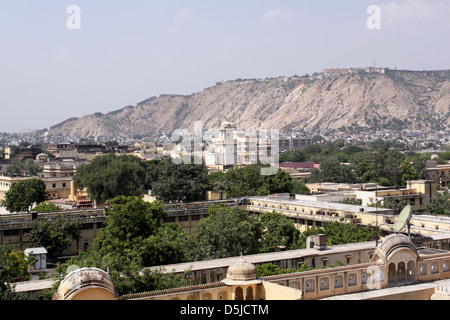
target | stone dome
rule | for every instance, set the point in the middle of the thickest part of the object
(81, 280)
(242, 271)
(396, 241)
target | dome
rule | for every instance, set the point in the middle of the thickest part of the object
(396, 241)
(242, 271)
(86, 284)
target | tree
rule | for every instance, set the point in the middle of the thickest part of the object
(134, 237)
(407, 173)
(180, 182)
(279, 230)
(440, 204)
(226, 232)
(109, 176)
(47, 207)
(54, 235)
(31, 168)
(14, 266)
(299, 187)
(396, 204)
(14, 168)
(271, 269)
(248, 181)
(332, 171)
(24, 194)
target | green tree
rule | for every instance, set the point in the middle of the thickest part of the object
(271, 269)
(180, 182)
(24, 194)
(31, 168)
(332, 171)
(407, 173)
(279, 231)
(396, 204)
(14, 266)
(226, 232)
(109, 176)
(15, 168)
(134, 237)
(47, 207)
(132, 240)
(440, 204)
(299, 187)
(54, 235)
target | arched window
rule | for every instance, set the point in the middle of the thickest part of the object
(239, 294)
(249, 295)
(411, 271)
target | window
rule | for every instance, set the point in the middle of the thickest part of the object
(309, 286)
(10, 233)
(364, 277)
(87, 226)
(338, 283)
(324, 284)
(183, 218)
(435, 267)
(422, 269)
(169, 220)
(445, 266)
(54, 185)
(351, 279)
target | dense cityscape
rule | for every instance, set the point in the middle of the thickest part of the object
(329, 186)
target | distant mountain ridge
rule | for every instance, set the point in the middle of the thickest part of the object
(346, 101)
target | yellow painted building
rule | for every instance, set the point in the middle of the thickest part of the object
(395, 262)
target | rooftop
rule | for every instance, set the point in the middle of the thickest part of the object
(325, 205)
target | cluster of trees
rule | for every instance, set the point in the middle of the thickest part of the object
(113, 175)
(134, 239)
(126, 175)
(381, 162)
(28, 167)
(248, 181)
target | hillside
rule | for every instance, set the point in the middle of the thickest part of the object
(395, 100)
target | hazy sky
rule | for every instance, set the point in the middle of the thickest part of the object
(126, 51)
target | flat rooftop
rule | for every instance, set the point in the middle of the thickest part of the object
(265, 257)
(393, 292)
(324, 205)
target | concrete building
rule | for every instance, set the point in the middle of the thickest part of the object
(419, 193)
(440, 174)
(292, 143)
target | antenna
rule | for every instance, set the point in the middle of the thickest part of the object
(404, 219)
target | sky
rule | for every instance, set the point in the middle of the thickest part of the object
(59, 61)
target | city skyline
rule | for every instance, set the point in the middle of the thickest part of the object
(120, 53)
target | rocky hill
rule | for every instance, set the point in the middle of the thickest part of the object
(364, 100)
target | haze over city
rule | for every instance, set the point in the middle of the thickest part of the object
(125, 52)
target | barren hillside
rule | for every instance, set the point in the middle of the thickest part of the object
(397, 99)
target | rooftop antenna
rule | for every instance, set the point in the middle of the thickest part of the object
(404, 220)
